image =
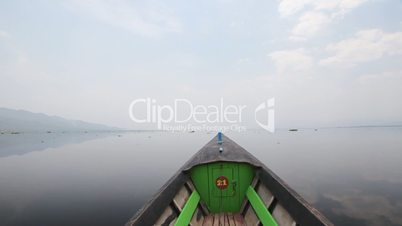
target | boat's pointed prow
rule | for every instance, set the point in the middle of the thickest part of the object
(224, 184)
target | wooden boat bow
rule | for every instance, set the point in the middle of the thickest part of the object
(223, 184)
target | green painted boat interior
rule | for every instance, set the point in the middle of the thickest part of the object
(224, 187)
(239, 177)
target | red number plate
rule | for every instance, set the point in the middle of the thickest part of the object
(222, 182)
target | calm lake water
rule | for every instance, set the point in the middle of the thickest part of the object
(353, 175)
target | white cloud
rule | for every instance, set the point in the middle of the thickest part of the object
(318, 14)
(337, 7)
(291, 7)
(141, 18)
(346, 5)
(291, 60)
(310, 24)
(365, 46)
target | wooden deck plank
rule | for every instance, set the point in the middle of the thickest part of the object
(239, 220)
(224, 219)
(265, 194)
(231, 220)
(216, 220)
(227, 219)
(167, 216)
(198, 217)
(282, 216)
(250, 217)
(181, 198)
(208, 220)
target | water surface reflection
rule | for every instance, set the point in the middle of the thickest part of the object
(351, 175)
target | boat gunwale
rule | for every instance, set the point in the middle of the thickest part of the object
(159, 201)
(301, 210)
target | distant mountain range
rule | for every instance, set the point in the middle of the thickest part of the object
(25, 121)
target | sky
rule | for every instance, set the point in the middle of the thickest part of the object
(326, 62)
